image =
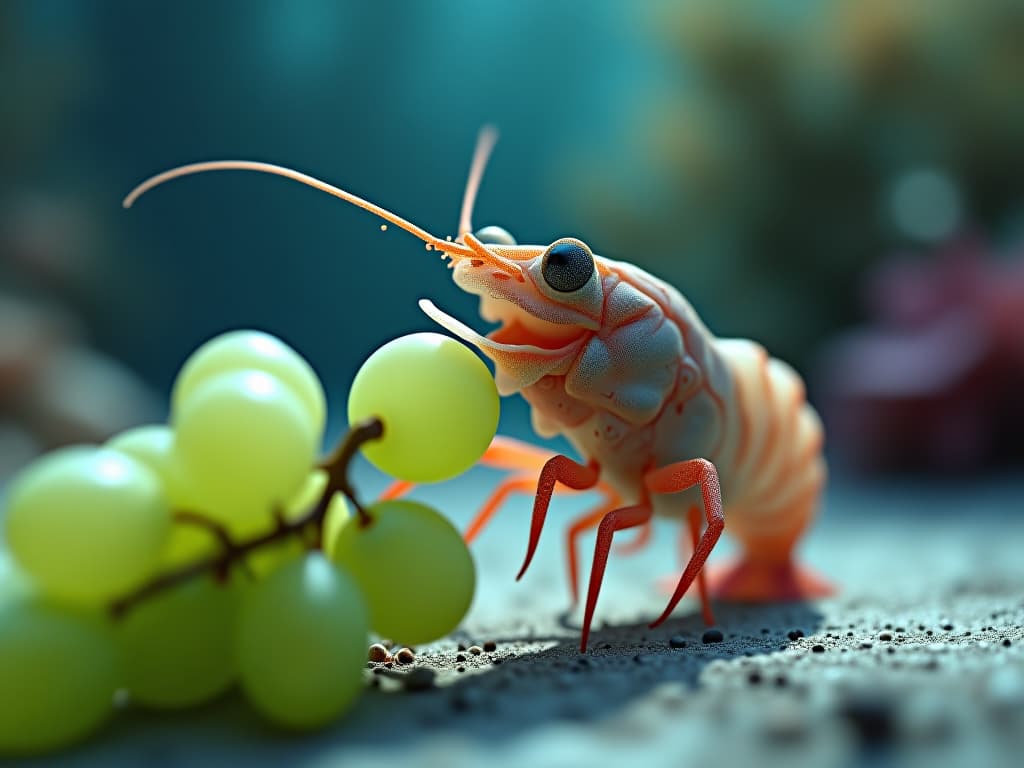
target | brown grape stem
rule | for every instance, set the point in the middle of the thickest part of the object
(336, 466)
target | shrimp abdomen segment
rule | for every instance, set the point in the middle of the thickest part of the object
(774, 475)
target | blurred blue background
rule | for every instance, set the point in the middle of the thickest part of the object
(773, 159)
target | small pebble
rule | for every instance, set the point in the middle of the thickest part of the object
(377, 653)
(460, 657)
(405, 656)
(754, 678)
(711, 636)
(476, 650)
(795, 634)
(817, 649)
(885, 636)
(1007, 643)
(677, 641)
(490, 646)
(462, 646)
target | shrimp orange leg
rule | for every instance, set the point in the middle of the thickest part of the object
(689, 536)
(580, 525)
(396, 490)
(693, 520)
(678, 477)
(508, 486)
(642, 539)
(616, 520)
(502, 453)
(558, 469)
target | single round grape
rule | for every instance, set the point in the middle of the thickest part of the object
(302, 638)
(59, 672)
(153, 445)
(178, 646)
(242, 350)
(245, 446)
(308, 495)
(438, 403)
(414, 568)
(13, 581)
(338, 515)
(87, 524)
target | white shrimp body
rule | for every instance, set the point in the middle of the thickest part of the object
(724, 400)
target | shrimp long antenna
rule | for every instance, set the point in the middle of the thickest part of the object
(445, 246)
(484, 145)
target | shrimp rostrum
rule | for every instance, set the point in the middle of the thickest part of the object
(668, 419)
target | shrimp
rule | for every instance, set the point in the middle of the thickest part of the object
(670, 420)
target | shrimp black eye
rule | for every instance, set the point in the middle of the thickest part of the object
(567, 266)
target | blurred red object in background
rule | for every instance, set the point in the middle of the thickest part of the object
(936, 384)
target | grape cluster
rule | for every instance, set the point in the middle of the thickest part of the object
(179, 560)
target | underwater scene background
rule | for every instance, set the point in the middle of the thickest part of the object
(797, 169)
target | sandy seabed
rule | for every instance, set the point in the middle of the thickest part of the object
(919, 660)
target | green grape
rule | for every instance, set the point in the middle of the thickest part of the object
(414, 568)
(309, 494)
(266, 559)
(337, 510)
(13, 581)
(338, 514)
(242, 350)
(245, 445)
(178, 646)
(153, 445)
(59, 672)
(87, 524)
(438, 403)
(301, 643)
(187, 544)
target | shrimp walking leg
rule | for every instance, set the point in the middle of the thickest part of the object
(693, 522)
(678, 477)
(558, 469)
(641, 540)
(616, 520)
(508, 486)
(587, 521)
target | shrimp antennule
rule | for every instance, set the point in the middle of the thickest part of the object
(484, 145)
(445, 246)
